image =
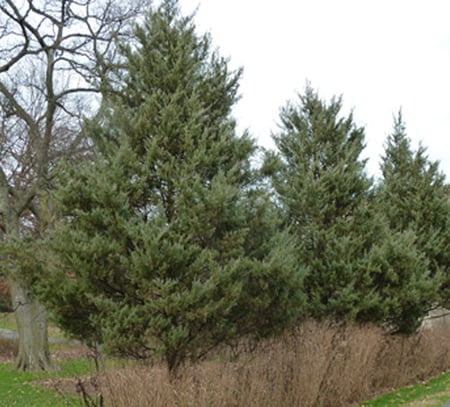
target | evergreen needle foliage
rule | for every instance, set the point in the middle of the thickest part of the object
(412, 195)
(167, 246)
(359, 265)
(321, 183)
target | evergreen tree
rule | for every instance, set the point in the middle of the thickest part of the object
(323, 188)
(157, 250)
(412, 195)
(358, 268)
(401, 280)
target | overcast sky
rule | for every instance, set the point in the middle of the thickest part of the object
(380, 55)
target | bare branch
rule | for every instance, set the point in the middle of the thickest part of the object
(14, 15)
(18, 109)
(55, 56)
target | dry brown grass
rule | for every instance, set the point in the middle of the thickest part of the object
(320, 364)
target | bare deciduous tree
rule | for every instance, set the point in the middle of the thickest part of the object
(55, 57)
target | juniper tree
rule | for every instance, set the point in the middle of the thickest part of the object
(412, 195)
(321, 183)
(357, 267)
(401, 278)
(156, 253)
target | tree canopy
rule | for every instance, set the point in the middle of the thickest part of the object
(358, 268)
(412, 195)
(322, 185)
(140, 216)
(154, 255)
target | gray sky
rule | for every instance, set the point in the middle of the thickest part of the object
(380, 55)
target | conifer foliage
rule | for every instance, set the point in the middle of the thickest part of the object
(412, 195)
(358, 267)
(322, 185)
(155, 254)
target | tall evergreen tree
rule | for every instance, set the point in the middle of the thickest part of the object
(412, 195)
(156, 253)
(322, 185)
(358, 268)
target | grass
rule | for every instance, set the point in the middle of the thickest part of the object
(20, 388)
(318, 364)
(17, 388)
(433, 393)
(8, 321)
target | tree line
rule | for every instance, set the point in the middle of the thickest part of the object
(147, 227)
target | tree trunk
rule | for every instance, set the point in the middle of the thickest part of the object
(31, 318)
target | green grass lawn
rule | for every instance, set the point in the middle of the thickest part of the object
(16, 388)
(433, 393)
(7, 321)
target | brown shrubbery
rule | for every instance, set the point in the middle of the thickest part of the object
(321, 364)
